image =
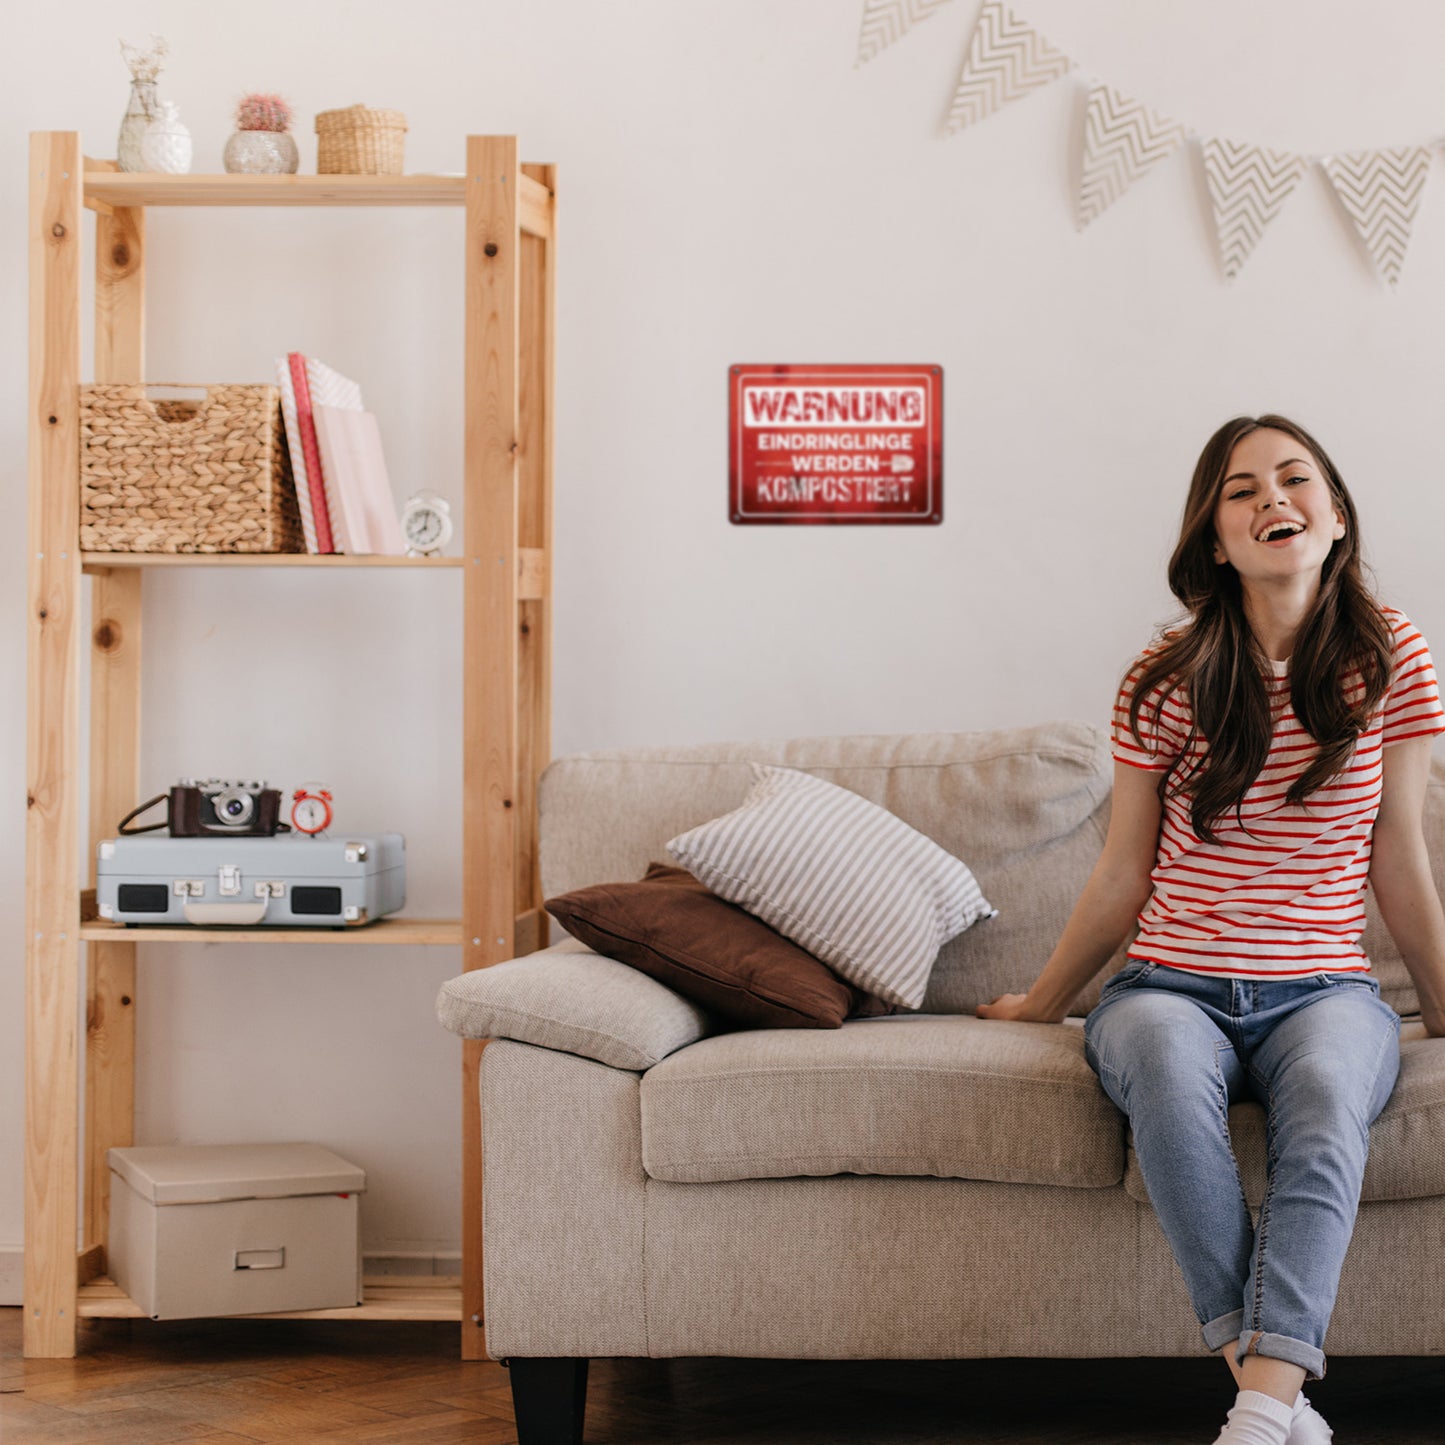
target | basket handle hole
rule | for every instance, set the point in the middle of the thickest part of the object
(176, 405)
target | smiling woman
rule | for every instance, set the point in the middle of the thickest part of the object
(1271, 758)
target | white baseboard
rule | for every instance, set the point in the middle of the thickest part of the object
(12, 1274)
(12, 1268)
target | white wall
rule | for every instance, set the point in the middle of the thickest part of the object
(733, 190)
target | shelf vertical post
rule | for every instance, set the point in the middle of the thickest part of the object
(52, 891)
(115, 640)
(537, 326)
(489, 704)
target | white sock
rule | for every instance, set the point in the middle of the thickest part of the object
(1257, 1419)
(1307, 1425)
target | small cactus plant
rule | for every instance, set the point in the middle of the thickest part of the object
(263, 112)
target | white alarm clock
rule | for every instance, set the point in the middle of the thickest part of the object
(426, 524)
(311, 809)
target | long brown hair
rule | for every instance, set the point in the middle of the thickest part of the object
(1219, 663)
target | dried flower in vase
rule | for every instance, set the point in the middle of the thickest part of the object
(259, 111)
(144, 64)
(143, 107)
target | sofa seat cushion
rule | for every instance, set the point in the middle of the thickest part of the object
(952, 1097)
(1407, 1141)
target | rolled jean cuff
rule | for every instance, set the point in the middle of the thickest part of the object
(1223, 1331)
(1282, 1347)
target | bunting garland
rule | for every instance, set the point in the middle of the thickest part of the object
(885, 21)
(1248, 186)
(1006, 59)
(1381, 190)
(1124, 139)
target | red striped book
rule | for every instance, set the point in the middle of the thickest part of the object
(306, 425)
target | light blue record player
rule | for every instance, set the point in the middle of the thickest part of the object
(251, 882)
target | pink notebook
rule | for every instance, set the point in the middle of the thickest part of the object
(363, 509)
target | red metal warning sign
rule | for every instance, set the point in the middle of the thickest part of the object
(835, 444)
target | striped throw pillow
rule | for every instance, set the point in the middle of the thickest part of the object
(843, 878)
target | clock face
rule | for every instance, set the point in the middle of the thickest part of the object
(423, 528)
(426, 523)
(310, 815)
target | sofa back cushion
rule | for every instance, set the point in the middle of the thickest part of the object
(1025, 808)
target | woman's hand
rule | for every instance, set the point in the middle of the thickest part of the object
(1109, 905)
(1402, 882)
(1012, 1006)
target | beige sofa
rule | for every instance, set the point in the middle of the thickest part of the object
(917, 1186)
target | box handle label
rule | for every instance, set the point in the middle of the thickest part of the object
(260, 1259)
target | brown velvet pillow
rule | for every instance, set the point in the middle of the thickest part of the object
(670, 927)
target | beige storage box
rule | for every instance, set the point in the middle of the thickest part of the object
(235, 1229)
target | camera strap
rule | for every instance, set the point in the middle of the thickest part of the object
(145, 807)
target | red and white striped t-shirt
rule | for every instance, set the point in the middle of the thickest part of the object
(1285, 899)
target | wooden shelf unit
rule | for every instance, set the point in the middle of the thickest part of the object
(509, 288)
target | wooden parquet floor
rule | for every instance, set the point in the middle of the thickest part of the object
(139, 1383)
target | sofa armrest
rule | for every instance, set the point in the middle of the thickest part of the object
(575, 1001)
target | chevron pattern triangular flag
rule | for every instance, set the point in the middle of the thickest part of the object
(1007, 58)
(1122, 140)
(1381, 190)
(884, 21)
(1248, 186)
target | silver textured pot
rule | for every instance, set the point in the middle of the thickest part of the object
(261, 153)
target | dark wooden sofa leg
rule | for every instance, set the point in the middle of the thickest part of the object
(548, 1398)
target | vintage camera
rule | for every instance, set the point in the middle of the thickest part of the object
(215, 806)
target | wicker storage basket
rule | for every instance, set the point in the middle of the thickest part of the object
(186, 476)
(359, 142)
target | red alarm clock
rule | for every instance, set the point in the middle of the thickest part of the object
(311, 809)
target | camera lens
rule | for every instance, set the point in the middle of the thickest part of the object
(234, 807)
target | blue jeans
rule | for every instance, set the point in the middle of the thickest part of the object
(1173, 1050)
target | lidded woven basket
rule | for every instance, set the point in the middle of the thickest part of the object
(359, 142)
(186, 476)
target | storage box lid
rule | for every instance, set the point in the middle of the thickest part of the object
(210, 1173)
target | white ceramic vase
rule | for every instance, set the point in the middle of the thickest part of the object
(166, 146)
(261, 152)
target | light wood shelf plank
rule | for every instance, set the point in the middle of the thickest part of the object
(99, 561)
(385, 1297)
(384, 930)
(533, 571)
(142, 188)
(146, 188)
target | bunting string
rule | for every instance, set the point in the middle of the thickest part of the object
(1124, 139)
